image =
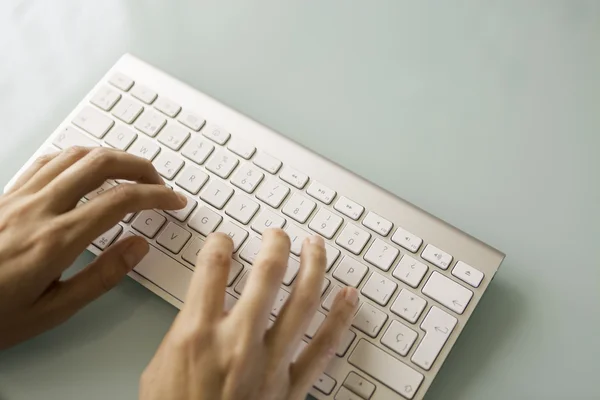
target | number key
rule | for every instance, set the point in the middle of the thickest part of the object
(326, 223)
(353, 239)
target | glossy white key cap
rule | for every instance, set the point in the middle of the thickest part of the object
(167, 107)
(315, 324)
(251, 249)
(182, 214)
(205, 220)
(216, 193)
(272, 192)
(191, 252)
(191, 179)
(237, 234)
(121, 81)
(241, 208)
(128, 217)
(321, 192)
(299, 208)
(143, 93)
(359, 385)
(377, 224)
(349, 208)
(222, 163)
(127, 110)
(437, 257)
(293, 177)
(410, 271)
(291, 271)
(150, 123)
(265, 220)
(408, 305)
(390, 371)
(144, 148)
(332, 254)
(350, 271)
(324, 285)
(70, 137)
(239, 288)
(407, 240)
(120, 137)
(381, 254)
(197, 149)
(247, 178)
(100, 190)
(234, 270)
(369, 319)
(438, 325)
(346, 394)
(328, 303)
(297, 236)
(447, 292)
(108, 237)
(280, 299)
(324, 384)
(468, 274)
(215, 133)
(93, 122)
(326, 223)
(148, 222)
(353, 238)
(105, 98)
(267, 162)
(379, 288)
(347, 338)
(173, 238)
(399, 338)
(173, 136)
(167, 164)
(241, 148)
(191, 120)
(229, 301)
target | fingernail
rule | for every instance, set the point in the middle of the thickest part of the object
(135, 252)
(351, 296)
(318, 240)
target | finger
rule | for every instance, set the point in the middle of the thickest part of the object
(263, 284)
(37, 165)
(87, 222)
(299, 309)
(316, 355)
(91, 171)
(206, 295)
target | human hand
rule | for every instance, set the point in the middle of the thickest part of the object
(209, 354)
(42, 232)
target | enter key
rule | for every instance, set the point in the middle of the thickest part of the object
(438, 325)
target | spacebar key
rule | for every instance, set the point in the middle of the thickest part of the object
(386, 369)
(166, 273)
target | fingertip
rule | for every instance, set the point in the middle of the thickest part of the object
(135, 250)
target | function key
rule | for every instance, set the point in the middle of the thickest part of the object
(167, 107)
(191, 120)
(216, 133)
(143, 93)
(294, 177)
(468, 274)
(121, 81)
(267, 162)
(407, 240)
(321, 192)
(349, 208)
(436, 256)
(377, 224)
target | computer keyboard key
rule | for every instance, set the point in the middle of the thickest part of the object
(447, 292)
(216, 133)
(247, 178)
(205, 221)
(235, 267)
(173, 238)
(222, 163)
(148, 222)
(241, 148)
(436, 256)
(331, 254)
(128, 217)
(324, 384)
(326, 223)
(173, 136)
(272, 192)
(143, 93)
(324, 285)
(144, 148)
(100, 190)
(121, 81)
(353, 239)
(467, 274)
(191, 179)
(120, 137)
(267, 162)
(350, 271)
(299, 208)
(438, 325)
(407, 240)
(291, 271)
(150, 123)
(167, 164)
(265, 220)
(239, 288)
(237, 234)
(70, 137)
(359, 385)
(197, 149)
(191, 120)
(280, 299)
(293, 177)
(105, 98)
(381, 254)
(167, 107)
(182, 214)
(108, 237)
(379, 288)
(93, 122)
(229, 301)
(410, 271)
(377, 223)
(127, 110)
(216, 194)
(321, 192)
(399, 337)
(349, 208)
(297, 236)
(315, 324)
(328, 303)
(408, 306)
(191, 252)
(347, 338)
(241, 208)
(251, 249)
(369, 319)
(388, 370)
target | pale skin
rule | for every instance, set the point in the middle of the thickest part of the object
(207, 353)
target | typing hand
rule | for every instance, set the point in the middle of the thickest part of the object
(210, 354)
(41, 234)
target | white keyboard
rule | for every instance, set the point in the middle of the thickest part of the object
(419, 278)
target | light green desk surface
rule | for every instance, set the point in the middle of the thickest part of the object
(486, 114)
